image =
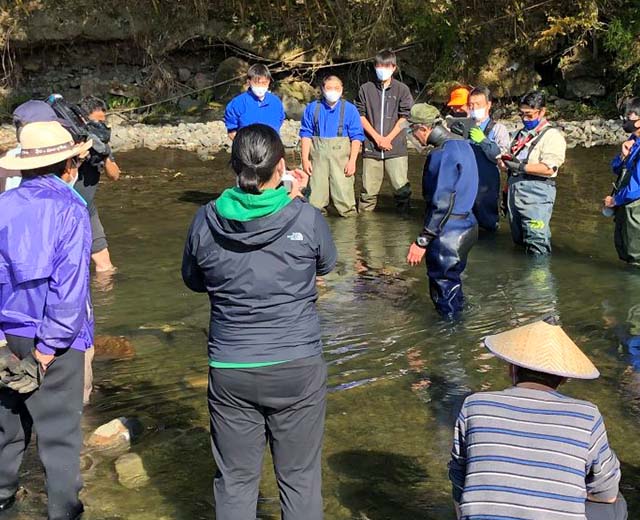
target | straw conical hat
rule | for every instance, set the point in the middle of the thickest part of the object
(543, 348)
(43, 144)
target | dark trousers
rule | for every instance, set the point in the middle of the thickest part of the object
(54, 412)
(283, 405)
(99, 238)
(446, 260)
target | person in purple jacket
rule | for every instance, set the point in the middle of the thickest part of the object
(45, 314)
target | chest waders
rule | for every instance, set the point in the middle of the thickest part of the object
(626, 234)
(486, 207)
(530, 207)
(329, 156)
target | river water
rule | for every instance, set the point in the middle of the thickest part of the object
(397, 373)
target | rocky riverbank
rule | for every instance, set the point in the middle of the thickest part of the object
(211, 137)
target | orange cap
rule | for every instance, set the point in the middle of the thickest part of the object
(459, 96)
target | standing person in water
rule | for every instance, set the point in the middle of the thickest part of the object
(449, 188)
(384, 106)
(46, 321)
(536, 154)
(331, 136)
(256, 251)
(256, 105)
(626, 200)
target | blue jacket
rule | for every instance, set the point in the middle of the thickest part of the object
(328, 121)
(246, 109)
(45, 250)
(631, 191)
(449, 184)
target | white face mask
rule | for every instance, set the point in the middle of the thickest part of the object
(73, 180)
(384, 73)
(479, 114)
(332, 96)
(259, 91)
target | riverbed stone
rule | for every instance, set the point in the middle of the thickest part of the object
(232, 70)
(116, 434)
(113, 347)
(131, 472)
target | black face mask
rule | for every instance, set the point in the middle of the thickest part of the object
(629, 126)
(458, 113)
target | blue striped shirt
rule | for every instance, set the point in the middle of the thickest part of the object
(524, 454)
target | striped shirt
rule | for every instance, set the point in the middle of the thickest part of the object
(524, 454)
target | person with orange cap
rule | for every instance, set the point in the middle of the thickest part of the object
(529, 452)
(459, 102)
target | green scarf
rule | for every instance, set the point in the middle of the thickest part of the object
(235, 204)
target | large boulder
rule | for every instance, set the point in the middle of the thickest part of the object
(295, 95)
(233, 72)
(583, 75)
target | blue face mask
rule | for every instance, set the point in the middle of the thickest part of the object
(530, 125)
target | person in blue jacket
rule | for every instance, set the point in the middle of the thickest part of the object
(625, 201)
(449, 187)
(46, 323)
(256, 105)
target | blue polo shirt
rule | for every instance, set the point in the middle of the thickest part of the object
(328, 121)
(246, 109)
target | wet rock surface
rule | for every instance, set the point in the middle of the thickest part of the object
(116, 434)
(131, 472)
(113, 347)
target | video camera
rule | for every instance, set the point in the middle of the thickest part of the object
(81, 127)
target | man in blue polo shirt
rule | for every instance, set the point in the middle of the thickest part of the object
(331, 136)
(256, 105)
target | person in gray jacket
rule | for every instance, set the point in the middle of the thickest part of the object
(256, 251)
(384, 107)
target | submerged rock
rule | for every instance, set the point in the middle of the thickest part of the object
(113, 347)
(131, 472)
(116, 434)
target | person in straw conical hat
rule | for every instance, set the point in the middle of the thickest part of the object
(529, 452)
(45, 314)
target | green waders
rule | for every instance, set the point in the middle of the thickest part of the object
(627, 232)
(329, 156)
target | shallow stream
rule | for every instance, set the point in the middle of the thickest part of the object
(397, 372)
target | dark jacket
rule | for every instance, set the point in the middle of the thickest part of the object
(261, 279)
(397, 103)
(449, 184)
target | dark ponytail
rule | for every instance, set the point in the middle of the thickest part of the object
(255, 152)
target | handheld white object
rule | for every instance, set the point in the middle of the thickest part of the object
(287, 180)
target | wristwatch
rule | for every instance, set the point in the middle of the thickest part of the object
(422, 241)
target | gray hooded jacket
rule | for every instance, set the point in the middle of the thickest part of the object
(261, 279)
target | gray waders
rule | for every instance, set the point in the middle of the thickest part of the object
(329, 156)
(627, 232)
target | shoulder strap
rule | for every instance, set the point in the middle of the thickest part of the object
(341, 121)
(537, 138)
(490, 127)
(316, 119)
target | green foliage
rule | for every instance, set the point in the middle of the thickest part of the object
(120, 102)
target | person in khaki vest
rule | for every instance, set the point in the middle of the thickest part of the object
(536, 154)
(331, 136)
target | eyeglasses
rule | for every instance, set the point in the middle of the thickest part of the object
(529, 114)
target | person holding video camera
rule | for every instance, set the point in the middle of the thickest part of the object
(100, 161)
(256, 251)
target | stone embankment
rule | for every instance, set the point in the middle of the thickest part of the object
(211, 137)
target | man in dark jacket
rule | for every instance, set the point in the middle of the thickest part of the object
(449, 187)
(384, 106)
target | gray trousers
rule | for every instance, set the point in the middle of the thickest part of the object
(530, 206)
(99, 237)
(615, 511)
(283, 404)
(54, 412)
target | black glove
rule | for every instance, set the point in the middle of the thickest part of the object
(515, 167)
(7, 359)
(23, 376)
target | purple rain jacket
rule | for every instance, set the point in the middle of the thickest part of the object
(45, 250)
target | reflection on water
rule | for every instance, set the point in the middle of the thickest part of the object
(397, 371)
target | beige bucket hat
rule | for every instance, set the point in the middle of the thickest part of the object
(543, 348)
(43, 144)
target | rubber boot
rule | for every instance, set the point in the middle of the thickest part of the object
(403, 199)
